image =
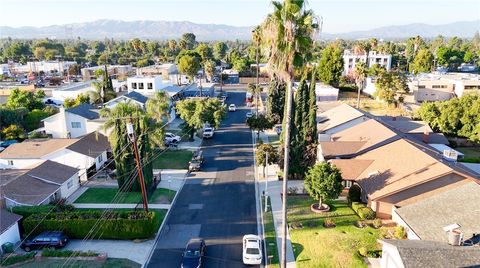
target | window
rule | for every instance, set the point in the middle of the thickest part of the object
(134, 85)
(149, 85)
(76, 125)
(69, 184)
(100, 158)
(439, 86)
(10, 162)
(140, 85)
(472, 87)
(347, 184)
(421, 86)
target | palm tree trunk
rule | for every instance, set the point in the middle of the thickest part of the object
(289, 96)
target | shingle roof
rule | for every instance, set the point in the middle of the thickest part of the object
(7, 175)
(421, 253)
(136, 97)
(351, 168)
(35, 148)
(459, 205)
(337, 116)
(358, 139)
(7, 219)
(85, 110)
(36, 185)
(405, 124)
(92, 144)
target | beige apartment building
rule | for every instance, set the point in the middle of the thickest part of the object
(441, 87)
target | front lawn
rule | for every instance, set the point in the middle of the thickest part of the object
(317, 246)
(107, 195)
(471, 154)
(176, 159)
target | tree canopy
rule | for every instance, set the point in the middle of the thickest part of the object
(323, 182)
(330, 67)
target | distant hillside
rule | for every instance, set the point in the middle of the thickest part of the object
(101, 29)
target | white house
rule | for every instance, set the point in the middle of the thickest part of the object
(71, 91)
(337, 119)
(41, 184)
(44, 66)
(114, 71)
(131, 97)
(325, 92)
(146, 85)
(88, 153)
(350, 59)
(9, 231)
(73, 122)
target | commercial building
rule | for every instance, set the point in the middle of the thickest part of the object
(443, 86)
(147, 85)
(120, 72)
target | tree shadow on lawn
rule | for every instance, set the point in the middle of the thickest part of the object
(297, 250)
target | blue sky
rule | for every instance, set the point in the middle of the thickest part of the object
(338, 15)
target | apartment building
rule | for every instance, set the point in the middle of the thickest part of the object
(350, 59)
(441, 87)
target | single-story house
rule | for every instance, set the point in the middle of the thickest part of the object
(41, 184)
(356, 140)
(325, 92)
(131, 97)
(398, 174)
(9, 231)
(426, 219)
(421, 254)
(71, 91)
(88, 153)
(415, 130)
(73, 122)
(337, 119)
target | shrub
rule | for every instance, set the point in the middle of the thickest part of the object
(377, 223)
(400, 232)
(328, 223)
(26, 211)
(354, 193)
(356, 206)
(384, 234)
(67, 253)
(366, 213)
(113, 225)
(360, 224)
(363, 251)
(12, 259)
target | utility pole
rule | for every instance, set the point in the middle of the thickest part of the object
(266, 182)
(131, 133)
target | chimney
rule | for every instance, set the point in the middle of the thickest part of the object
(425, 136)
(455, 237)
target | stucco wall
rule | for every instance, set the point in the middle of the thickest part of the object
(11, 235)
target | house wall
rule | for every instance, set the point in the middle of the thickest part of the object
(135, 84)
(410, 233)
(428, 94)
(390, 257)
(100, 160)
(346, 125)
(70, 186)
(73, 159)
(11, 235)
(60, 125)
(19, 163)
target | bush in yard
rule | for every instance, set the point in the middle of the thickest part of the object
(112, 225)
(400, 232)
(356, 206)
(328, 223)
(360, 224)
(377, 223)
(363, 251)
(323, 181)
(366, 213)
(26, 211)
(354, 193)
(67, 253)
(13, 258)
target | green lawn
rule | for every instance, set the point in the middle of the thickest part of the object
(316, 246)
(270, 237)
(109, 263)
(177, 159)
(106, 196)
(471, 153)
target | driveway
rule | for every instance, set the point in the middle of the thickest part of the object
(137, 252)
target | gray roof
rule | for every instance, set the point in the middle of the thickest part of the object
(136, 97)
(93, 145)
(7, 219)
(421, 253)
(53, 172)
(85, 110)
(459, 205)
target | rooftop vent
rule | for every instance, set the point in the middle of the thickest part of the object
(374, 173)
(450, 155)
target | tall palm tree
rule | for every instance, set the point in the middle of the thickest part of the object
(287, 35)
(157, 111)
(257, 38)
(360, 73)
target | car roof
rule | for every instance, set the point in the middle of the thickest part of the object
(194, 243)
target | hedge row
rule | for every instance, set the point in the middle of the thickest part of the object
(67, 253)
(26, 211)
(113, 225)
(365, 213)
(13, 259)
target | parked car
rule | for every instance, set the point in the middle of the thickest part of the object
(197, 161)
(5, 144)
(194, 253)
(48, 239)
(170, 137)
(278, 129)
(252, 253)
(232, 108)
(208, 132)
(248, 115)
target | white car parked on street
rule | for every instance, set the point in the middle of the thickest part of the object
(252, 252)
(208, 132)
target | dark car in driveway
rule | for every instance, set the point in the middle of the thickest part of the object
(49, 239)
(194, 253)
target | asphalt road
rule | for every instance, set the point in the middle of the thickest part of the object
(217, 204)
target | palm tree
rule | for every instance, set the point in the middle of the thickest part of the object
(287, 35)
(104, 89)
(257, 39)
(360, 73)
(157, 111)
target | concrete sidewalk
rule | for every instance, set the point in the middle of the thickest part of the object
(113, 206)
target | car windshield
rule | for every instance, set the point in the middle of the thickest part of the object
(253, 251)
(192, 254)
(208, 130)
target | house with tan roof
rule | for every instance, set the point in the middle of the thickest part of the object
(88, 153)
(39, 184)
(356, 140)
(398, 174)
(416, 130)
(337, 119)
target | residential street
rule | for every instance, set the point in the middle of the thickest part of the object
(217, 204)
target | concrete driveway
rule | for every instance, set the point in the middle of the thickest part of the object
(137, 252)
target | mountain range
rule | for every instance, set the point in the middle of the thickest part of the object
(161, 30)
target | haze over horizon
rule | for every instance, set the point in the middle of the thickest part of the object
(339, 16)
